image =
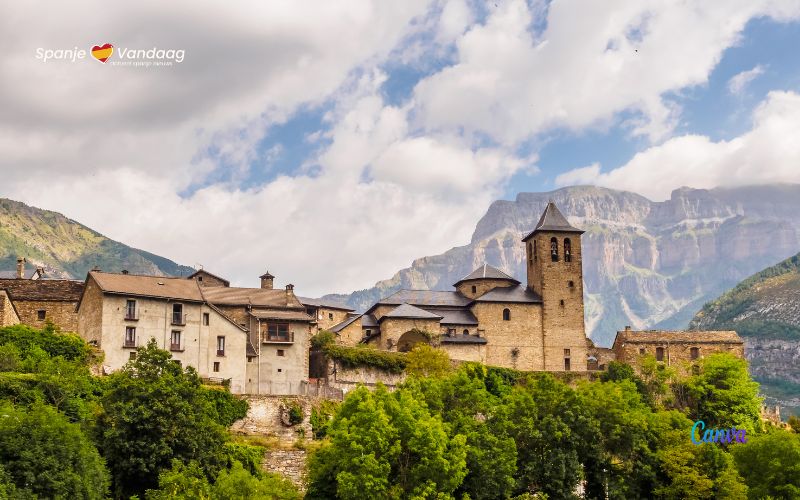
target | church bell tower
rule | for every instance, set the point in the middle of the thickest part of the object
(555, 273)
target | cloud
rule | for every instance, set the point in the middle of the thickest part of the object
(768, 153)
(510, 82)
(739, 82)
(384, 181)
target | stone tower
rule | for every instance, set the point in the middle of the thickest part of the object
(555, 273)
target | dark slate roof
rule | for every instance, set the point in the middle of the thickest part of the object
(426, 298)
(456, 317)
(687, 336)
(325, 303)
(44, 290)
(29, 274)
(234, 296)
(518, 294)
(553, 220)
(462, 339)
(486, 272)
(368, 321)
(266, 275)
(281, 314)
(409, 311)
(344, 324)
(251, 351)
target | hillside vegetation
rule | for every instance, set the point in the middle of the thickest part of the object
(67, 248)
(765, 305)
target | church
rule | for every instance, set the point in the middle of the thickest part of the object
(491, 317)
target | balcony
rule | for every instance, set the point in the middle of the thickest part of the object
(175, 348)
(280, 338)
(178, 320)
(220, 352)
(129, 343)
(131, 315)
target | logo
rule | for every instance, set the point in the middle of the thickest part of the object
(102, 52)
(732, 435)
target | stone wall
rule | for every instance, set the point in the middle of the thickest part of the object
(392, 330)
(350, 335)
(328, 317)
(676, 353)
(8, 315)
(264, 417)
(516, 343)
(291, 464)
(482, 286)
(348, 379)
(60, 313)
(465, 352)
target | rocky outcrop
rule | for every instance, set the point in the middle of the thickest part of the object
(646, 264)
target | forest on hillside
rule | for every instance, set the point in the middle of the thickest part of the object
(154, 431)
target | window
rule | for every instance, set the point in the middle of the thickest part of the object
(177, 362)
(571, 284)
(554, 249)
(206, 319)
(199, 278)
(566, 352)
(368, 332)
(694, 352)
(277, 331)
(451, 331)
(474, 289)
(41, 314)
(535, 254)
(175, 341)
(531, 254)
(216, 366)
(561, 303)
(132, 355)
(566, 364)
(281, 352)
(130, 309)
(506, 314)
(330, 315)
(280, 370)
(220, 346)
(465, 332)
(659, 354)
(642, 351)
(130, 336)
(567, 250)
(177, 314)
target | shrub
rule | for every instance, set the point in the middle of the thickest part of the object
(427, 361)
(26, 339)
(294, 411)
(354, 357)
(321, 415)
(228, 407)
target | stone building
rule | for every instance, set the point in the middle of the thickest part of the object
(256, 337)
(37, 301)
(22, 273)
(490, 316)
(674, 348)
(325, 313)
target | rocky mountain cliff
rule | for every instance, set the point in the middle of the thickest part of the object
(66, 248)
(765, 310)
(646, 264)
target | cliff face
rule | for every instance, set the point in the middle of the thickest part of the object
(646, 264)
(765, 310)
(67, 249)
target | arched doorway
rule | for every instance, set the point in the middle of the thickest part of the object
(408, 340)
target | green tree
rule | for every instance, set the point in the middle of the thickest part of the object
(238, 483)
(697, 472)
(723, 395)
(542, 417)
(770, 464)
(153, 413)
(44, 455)
(386, 445)
(427, 361)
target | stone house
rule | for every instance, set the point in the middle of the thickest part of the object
(674, 348)
(22, 273)
(490, 316)
(37, 301)
(122, 312)
(325, 314)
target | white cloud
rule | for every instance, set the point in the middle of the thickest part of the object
(583, 69)
(768, 153)
(739, 82)
(112, 147)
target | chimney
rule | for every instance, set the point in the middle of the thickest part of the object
(627, 328)
(289, 292)
(124, 271)
(266, 281)
(20, 267)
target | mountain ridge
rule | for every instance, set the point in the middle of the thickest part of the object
(646, 264)
(67, 248)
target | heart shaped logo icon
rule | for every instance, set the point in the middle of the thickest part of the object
(102, 52)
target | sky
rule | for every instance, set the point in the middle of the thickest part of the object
(334, 142)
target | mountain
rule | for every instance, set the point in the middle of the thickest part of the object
(765, 310)
(68, 249)
(646, 264)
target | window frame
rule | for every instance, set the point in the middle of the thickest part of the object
(659, 353)
(177, 316)
(41, 314)
(567, 250)
(220, 343)
(129, 340)
(554, 249)
(506, 314)
(206, 319)
(173, 346)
